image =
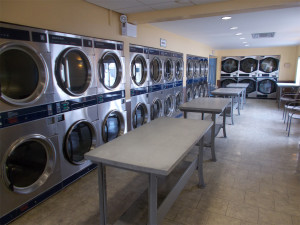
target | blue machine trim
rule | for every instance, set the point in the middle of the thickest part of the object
(178, 83)
(138, 91)
(179, 115)
(168, 85)
(108, 97)
(189, 81)
(155, 88)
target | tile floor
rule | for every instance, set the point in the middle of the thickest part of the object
(255, 181)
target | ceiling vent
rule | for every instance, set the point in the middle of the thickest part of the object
(263, 35)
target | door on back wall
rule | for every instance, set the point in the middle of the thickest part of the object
(212, 73)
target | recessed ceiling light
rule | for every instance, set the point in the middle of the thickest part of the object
(233, 28)
(246, 45)
(245, 42)
(242, 38)
(226, 17)
(238, 34)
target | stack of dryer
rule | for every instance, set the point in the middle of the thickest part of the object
(204, 68)
(189, 77)
(178, 84)
(139, 67)
(229, 70)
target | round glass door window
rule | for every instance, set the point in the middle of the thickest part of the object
(190, 69)
(268, 65)
(205, 68)
(139, 70)
(28, 164)
(202, 68)
(156, 109)
(73, 72)
(230, 65)
(168, 70)
(168, 106)
(80, 139)
(178, 101)
(178, 70)
(110, 70)
(113, 126)
(248, 65)
(196, 69)
(267, 86)
(252, 85)
(140, 115)
(23, 75)
(155, 70)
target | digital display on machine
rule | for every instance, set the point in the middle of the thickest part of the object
(136, 49)
(39, 37)
(55, 39)
(138, 91)
(104, 45)
(153, 52)
(9, 33)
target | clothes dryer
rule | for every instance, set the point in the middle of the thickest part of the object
(72, 59)
(248, 66)
(178, 66)
(25, 67)
(168, 66)
(140, 109)
(169, 101)
(252, 81)
(225, 80)
(178, 99)
(112, 116)
(109, 63)
(156, 101)
(190, 67)
(269, 66)
(266, 87)
(30, 166)
(78, 134)
(156, 67)
(229, 66)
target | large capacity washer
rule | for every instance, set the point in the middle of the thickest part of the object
(156, 101)
(169, 100)
(30, 166)
(248, 66)
(72, 66)
(109, 63)
(155, 67)
(168, 66)
(25, 67)
(230, 66)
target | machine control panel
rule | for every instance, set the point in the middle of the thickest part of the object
(138, 91)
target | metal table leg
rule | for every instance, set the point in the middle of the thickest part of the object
(102, 193)
(152, 200)
(231, 112)
(239, 104)
(242, 100)
(212, 145)
(184, 114)
(200, 165)
(224, 123)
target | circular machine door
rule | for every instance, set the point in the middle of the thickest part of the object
(252, 85)
(156, 109)
(248, 65)
(230, 65)
(205, 68)
(224, 83)
(80, 139)
(23, 74)
(268, 65)
(139, 115)
(202, 68)
(200, 91)
(195, 92)
(73, 71)
(178, 101)
(113, 126)
(168, 70)
(28, 164)
(139, 70)
(197, 68)
(155, 70)
(169, 106)
(189, 94)
(179, 69)
(110, 68)
(267, 86)
(190, 69)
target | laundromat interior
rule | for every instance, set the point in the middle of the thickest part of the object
(110, 112)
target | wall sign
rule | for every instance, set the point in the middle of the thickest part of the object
(163, 43)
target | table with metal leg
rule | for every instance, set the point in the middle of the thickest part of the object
(244, 86)
(154, 149)
(213, 106)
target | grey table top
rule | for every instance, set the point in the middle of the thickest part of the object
(227, 91)
(208, 105)
(238, 85)
(156, 147)
(288, 85)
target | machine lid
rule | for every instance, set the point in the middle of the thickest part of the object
(267, 86)
(168, 70)
(179, 69)
(230, 65)
(29, 163)
(190, 69)
(248, 65)
(252, 85)
(156, 109)
(169, 105)
(110, 70)
(268, 65)
(73, 71)
(178, 101)
(80, 139)
(155, 70)
(139, 70)
(113, 126)
(23, 74)
(139, 115)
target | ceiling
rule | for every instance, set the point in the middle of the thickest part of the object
(215, 32)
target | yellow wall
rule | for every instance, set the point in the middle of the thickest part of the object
(80, 17)
(298, 48)
(288, 59)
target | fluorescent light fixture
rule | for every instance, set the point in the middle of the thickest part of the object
(226, 17)
(233, 28)
(238, 34)
(242, 38)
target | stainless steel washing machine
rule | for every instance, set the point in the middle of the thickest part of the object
(109, 63)
(112, 116)
(269, 66)
(248, 66)
(169, 100)
(204, 81)
(78, 133)
(229, 66)
(252, 81)
(178, 84)
(156, 67)
(178, 100)
(140, 109)
(25, 67)
(266, 87)
(178, 66)
(30, 166)
(189, 67)
(168, 66)
(72, 59)
(156, 101)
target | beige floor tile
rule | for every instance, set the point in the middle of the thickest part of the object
(170, 222)
(191, 217)
(274, 189)
(211, 204)
(288, 207)
(230, 194)
(217, 219)
(273, 217)
(247, 184)
(259, 199)
(296, 220)
(243, 212)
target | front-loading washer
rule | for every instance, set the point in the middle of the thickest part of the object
(25, 67)
(109, 63)
(178, 66)
(178, 100)
(248, 66)
(140, 110)
(268, 66)
(78, 134)
(266, 87)
(72, 59)
(155, 67)
(168, 66)
(230, 65)
(156, 101)
(30, 166)
(169, 102)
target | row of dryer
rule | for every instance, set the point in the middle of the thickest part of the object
(197, 71)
